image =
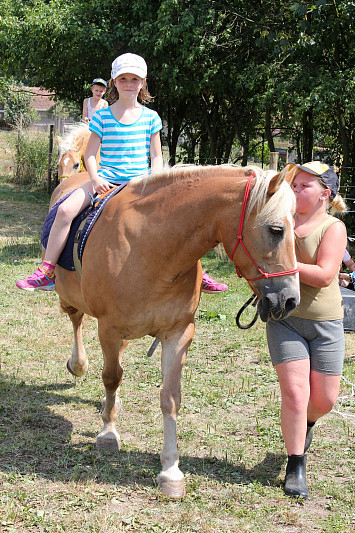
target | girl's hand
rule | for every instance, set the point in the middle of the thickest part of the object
(100, 186)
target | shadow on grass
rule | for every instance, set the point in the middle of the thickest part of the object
(20, 252)
(16, 193)
(34, 440)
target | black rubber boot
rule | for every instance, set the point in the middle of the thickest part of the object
(309, 436)
(295, 480)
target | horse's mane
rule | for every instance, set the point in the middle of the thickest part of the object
(274, 208)
(72, 133)
(269, 209)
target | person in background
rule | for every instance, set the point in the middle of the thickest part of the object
(96, 101)
(307, 348)
(344, 278)
(210, 286)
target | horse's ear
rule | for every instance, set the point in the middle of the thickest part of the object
(289, 172)
(59, 141)
(286, 173)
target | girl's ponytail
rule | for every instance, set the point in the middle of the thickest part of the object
(337, 205)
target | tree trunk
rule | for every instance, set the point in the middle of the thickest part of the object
(268, 129)
(307, 136)
(345, 139)
(228, 146)
(298, 147)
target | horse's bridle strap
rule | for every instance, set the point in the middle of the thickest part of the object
(82, 164)
(265, 275)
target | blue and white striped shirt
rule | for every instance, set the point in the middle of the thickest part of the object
(124, 147)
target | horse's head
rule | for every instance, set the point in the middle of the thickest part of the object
(265, 252)
(69, 164)
(71, 153)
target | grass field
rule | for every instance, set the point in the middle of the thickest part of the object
(52, 477)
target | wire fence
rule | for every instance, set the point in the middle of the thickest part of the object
(348, 193)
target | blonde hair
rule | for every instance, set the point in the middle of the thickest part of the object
(112, 93)
(272, 209)
(337, 205)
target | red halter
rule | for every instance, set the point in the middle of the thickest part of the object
(240, 240)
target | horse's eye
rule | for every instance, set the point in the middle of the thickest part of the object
(276, 230)
(76, 165)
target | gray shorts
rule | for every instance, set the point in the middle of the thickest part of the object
(300, 338)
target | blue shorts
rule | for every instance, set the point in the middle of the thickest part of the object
(322, 342)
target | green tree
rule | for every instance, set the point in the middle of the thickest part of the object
(16, 102)
(221, 71)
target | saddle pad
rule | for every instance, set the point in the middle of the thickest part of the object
(91, 214)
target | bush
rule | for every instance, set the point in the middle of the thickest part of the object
(16, 102)
(31, 159)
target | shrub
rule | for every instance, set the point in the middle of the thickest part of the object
(31, 159)
(17, 107)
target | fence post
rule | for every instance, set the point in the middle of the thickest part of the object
(274, 156)
(50, 153)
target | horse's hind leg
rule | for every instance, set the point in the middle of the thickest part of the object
(171, 479)
(112, 347)
(77, 364)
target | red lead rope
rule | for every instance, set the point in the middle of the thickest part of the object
(240, 241)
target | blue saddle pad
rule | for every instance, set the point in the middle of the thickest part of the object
(91, 214)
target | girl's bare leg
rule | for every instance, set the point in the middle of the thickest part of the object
(67, 211)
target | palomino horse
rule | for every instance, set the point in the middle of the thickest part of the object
(71, 151)
(141, 273)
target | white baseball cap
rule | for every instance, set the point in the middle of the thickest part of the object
(129, 64)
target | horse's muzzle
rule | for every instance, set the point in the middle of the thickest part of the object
(278, 305)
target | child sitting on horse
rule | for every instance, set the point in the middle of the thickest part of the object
(121, 159)
(96, 101)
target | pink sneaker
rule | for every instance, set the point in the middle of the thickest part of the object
(211, 286)
(38, 281)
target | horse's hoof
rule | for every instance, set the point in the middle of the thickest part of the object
(77, 373)
(172, 489)
(108, 441)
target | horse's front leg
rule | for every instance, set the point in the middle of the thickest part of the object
(174, 350)
(112, 348)
(77, 364)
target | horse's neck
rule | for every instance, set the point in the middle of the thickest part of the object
(197, 213)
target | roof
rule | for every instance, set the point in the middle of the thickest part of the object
(43, 100)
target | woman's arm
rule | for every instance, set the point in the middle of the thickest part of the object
(156, 156)
(330, 254)
(100, 186)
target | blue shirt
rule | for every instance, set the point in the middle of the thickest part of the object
(124, 147)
